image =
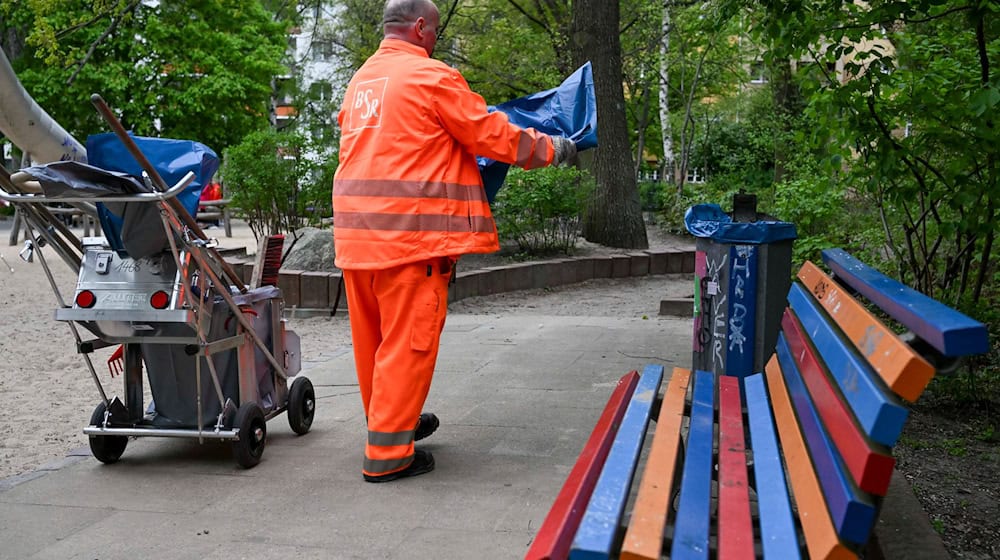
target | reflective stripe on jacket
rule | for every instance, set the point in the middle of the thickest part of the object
(408, 187)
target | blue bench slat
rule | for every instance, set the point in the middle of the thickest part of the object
(950, 332)
(595, 537)
(877, 410)
(693, 511)
(851, 510)
(777, 525)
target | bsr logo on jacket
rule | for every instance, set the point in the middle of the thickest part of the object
(366, 107)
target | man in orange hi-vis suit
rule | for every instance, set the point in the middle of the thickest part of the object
(408, 200)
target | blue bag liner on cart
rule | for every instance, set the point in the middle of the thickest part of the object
(135, 228)
(569, 110)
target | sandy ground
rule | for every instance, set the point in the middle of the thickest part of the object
(49, 392)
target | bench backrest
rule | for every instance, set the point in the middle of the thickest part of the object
(823, 416)
(837, 384)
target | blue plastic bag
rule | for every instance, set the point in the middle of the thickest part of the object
(709, 221)
(569, 110)
(172, 159)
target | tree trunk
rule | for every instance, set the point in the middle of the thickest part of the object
(666, 130)
(614, 215)
(786, 104)
(642, 121)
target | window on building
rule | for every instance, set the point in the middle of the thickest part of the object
(321, 91)
(322, 50)
(695, 175)
(758, 72)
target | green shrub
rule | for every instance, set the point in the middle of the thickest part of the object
(654, 195)
(540, 209)
(275, 186)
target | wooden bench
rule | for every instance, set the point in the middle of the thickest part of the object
(87, 221)
(791, 462)
(216, 210)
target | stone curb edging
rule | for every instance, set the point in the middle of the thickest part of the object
(318, 291)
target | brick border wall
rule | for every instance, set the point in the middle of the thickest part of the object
(320, 290)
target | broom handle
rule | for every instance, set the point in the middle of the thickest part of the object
(160, 185)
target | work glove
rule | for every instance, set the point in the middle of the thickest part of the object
(565, 149)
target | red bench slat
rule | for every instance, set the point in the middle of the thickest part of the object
(868, 462)
(735, 528)
(557, 530)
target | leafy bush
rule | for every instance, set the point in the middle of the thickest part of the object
(276, 187)
(654, 194)
(540, 209)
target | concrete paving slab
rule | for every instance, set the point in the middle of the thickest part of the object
(517, 396)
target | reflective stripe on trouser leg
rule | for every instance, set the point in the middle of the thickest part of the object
(362, 309)
(412, 303)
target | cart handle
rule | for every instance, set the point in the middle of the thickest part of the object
(20, 180)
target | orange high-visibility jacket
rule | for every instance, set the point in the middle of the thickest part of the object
(408, 187)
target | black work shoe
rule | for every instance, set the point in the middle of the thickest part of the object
(427, 425)
(423, 462)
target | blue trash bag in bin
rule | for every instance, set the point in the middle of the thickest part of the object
(171, 158)
(709, 221)
(569, 110)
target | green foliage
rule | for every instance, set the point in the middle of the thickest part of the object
(654, 195)
(540, 209)
(277, 188)
(197, 70)
(358, 29)
(505, 53)
(737, 146)
(913, 115)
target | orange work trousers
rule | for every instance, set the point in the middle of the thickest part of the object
(396, 316)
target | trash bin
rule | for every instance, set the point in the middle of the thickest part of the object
(742, 276)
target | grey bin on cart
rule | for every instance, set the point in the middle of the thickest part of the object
(742, 277)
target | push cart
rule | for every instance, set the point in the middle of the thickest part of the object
(216, 352)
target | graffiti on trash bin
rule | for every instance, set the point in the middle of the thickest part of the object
(725, 309)
(714, 308)
(742, 306)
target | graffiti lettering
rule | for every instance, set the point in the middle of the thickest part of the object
(128, 265)
(716, 303)
(736, 322)
(719, 332)
(819, 290)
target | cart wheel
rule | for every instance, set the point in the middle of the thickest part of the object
(106, 449)
(252, 437)
(301, 405)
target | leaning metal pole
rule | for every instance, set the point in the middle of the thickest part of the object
(32, 130)
(28, 126)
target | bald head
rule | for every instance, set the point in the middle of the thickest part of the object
(413, 21)
(401, 13)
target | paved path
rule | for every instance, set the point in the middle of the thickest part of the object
(517, 396)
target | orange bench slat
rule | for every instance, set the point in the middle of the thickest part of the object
(821, 537)
(902, 369)
(644, 537)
